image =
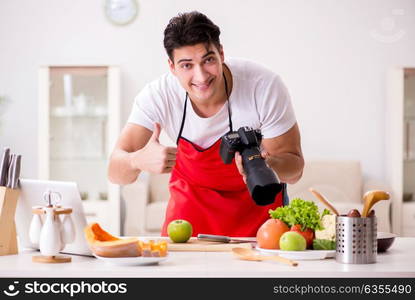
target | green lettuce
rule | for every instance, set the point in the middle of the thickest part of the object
(300, 212)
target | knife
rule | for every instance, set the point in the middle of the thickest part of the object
(223, 239)
(11, 169)
(16, 171)
(4, 165)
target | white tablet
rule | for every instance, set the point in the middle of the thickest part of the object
(31, 194)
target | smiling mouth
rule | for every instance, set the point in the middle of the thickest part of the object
(203, 87)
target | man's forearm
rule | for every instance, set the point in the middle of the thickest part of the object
(120, 170)
(288, 166)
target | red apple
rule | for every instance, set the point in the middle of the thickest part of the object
(308, 234)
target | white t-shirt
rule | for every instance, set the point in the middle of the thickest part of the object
(259, 99)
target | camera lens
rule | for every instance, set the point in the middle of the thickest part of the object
(264, 195)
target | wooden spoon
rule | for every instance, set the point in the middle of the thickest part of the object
(370, 198)
(324, 201)
(248, 254)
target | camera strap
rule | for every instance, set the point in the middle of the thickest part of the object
(185, 107)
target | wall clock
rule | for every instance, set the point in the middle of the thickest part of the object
(121, 12)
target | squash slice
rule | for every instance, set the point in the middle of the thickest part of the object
(104, 244)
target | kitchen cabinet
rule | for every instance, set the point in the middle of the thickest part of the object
(408, 218)
(79, 122)
(400, 148)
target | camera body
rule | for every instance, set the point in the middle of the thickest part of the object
(262, 182)
(237, 141)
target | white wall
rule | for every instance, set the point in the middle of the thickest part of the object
(332, 55)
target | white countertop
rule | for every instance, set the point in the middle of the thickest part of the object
(398, 261)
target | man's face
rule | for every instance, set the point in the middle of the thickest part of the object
(199, 70)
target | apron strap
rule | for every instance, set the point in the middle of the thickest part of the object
(229, 106)
(183, 118)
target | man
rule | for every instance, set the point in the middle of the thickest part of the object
(203, 98)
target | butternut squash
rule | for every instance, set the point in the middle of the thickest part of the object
(104, 244)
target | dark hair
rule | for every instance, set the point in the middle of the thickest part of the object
(187, 29)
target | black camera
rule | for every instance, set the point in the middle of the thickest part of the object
(262, 182)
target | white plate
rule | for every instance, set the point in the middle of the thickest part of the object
(299, 255)
(132, 261)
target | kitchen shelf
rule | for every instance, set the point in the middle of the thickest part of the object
(77, 133)
(75, 114)
(78, 158)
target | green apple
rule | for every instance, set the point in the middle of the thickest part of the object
(179, 231)
(292, 241)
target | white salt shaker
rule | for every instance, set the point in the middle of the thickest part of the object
(58, 224)
(50, 240)
(35, 229)
(67, 229)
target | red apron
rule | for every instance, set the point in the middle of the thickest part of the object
(210, 194)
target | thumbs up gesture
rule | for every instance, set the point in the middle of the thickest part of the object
(156, 158)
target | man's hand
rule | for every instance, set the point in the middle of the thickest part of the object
(239, 164)
(154, 157)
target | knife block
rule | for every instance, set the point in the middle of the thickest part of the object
(8, 235)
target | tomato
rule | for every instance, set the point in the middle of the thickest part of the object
(268, 235)
(308, 234)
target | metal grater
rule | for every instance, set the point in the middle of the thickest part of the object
(356, 240)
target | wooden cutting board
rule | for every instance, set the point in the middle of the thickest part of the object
(204, 246)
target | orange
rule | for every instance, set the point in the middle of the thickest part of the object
(268, 235)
